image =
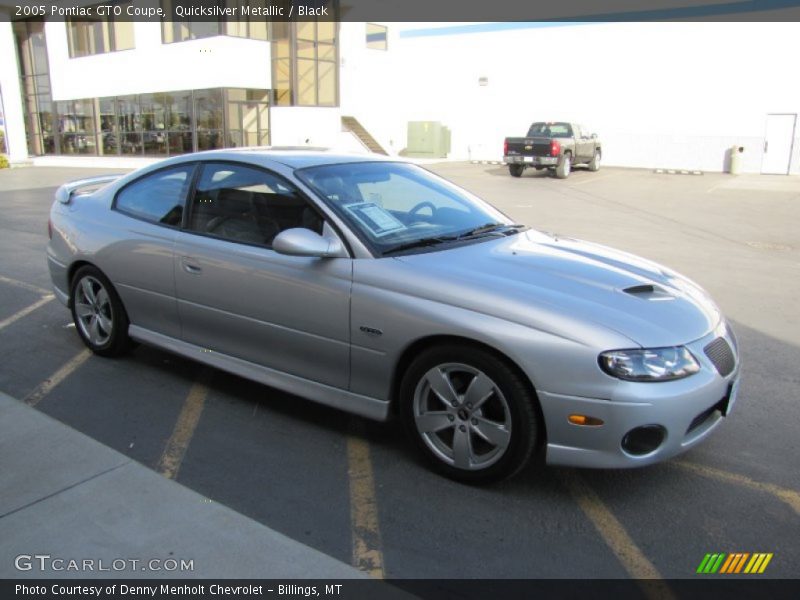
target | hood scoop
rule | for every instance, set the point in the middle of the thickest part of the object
(648, 291)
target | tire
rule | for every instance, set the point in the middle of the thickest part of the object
(516, 170)
(594, 165)
(471, 434)
(98, 313)
(564, 166)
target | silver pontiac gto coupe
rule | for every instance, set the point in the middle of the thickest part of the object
(376, 287)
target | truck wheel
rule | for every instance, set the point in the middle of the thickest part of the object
(594, 165)
(564, 167)
(516, 170)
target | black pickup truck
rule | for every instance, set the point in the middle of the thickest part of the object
(555, 146)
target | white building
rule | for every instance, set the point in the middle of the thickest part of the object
(660, 95)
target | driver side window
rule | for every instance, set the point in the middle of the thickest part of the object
(247, 205)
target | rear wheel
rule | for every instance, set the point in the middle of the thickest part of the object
(469, 413)
(98, 313)
(594, 165)
(516, 170)
(564, 166)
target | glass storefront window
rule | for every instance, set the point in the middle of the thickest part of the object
(305, 65)
(208, 110)
(107, 124)
(156, 124)
(76, 127)
(129, 123)
(99, 35)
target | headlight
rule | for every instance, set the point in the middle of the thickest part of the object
(649, 364)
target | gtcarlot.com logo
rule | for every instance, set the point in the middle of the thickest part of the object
(46, 562)
(735, 563)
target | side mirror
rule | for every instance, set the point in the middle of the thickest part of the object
(594, 136)
(300, 241)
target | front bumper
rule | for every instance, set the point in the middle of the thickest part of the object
(533, 161)
(688, 410)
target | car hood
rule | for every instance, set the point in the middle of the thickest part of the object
(550, 283)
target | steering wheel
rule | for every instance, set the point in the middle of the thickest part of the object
(420, 206)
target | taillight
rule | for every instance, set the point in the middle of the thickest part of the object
(505, 147)
(555, 148)
(49, 229)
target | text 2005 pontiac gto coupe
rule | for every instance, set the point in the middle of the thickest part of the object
(376, 287)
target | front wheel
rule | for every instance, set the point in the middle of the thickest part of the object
(564, 167)
(594, 165)
(516, 170)
(98, 313)
(470, 414)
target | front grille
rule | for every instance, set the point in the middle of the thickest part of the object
(721, 356)
(704, 416)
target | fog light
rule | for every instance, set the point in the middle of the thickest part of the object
(585, 420)
(643, 440)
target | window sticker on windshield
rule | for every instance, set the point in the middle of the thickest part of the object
(376, 219)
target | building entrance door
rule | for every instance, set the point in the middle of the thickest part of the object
(778, 142)
(249, 124)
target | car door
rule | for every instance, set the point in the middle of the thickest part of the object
(582, 144)
(140, 263)
(239, 297)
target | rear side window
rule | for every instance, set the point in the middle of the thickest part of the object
(158, 197)
(247, 205)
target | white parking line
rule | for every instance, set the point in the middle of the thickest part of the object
(24, 285)
(25, 311)
(44, 388)
(595, 179)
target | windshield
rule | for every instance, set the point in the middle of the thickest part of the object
(555, 130)
(399, 206)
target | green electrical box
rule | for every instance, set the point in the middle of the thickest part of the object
(427, 139)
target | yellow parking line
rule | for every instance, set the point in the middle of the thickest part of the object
(178, 442)
(367, 553)
(790, 497)
(26, 311)
(44, 388)
(24, 285)
(616, 537)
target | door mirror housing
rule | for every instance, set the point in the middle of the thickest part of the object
(594, 136)
(299, 241)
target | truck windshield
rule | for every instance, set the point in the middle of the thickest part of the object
(556, 130)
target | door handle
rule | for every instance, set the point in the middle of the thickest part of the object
(766, 145)
(189, 266)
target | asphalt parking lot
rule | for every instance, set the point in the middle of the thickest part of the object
(355, 490)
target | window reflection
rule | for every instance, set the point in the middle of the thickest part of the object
(98, 35)
(156, 124)
(304, 65)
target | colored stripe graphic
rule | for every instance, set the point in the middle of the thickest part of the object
(767, 558)
(734, 563)
(728, 563)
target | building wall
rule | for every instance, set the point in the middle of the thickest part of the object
(672, 95)
(669, 95)
(221, 61)
(305, 126)
(370, 89)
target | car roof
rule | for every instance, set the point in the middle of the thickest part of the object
(290, 156)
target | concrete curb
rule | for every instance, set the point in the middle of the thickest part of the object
(68, 496)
